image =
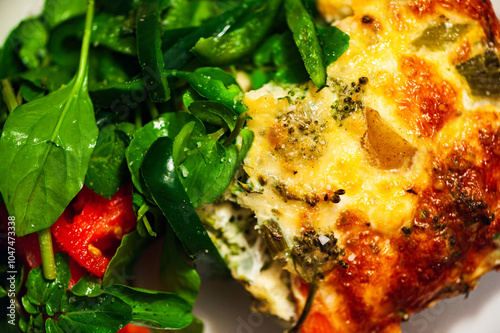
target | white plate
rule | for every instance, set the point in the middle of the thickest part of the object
(224, 305)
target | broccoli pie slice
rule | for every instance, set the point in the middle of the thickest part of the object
(378, 195)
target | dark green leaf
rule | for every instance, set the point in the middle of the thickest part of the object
(168, 124)
(334, 43)
(41, 291)
(178, 276)
(180, 53)
(108, 170)
(87, 285)
(112, 32)
(120, 267)
(50, 78)
(90, 314)
(195, 327)
(264, 54)
(150, 53)
(214, 113)
(203, 168)
(28, 306)
(150, 220)
(307, 41)
(215, 84)
(183, 13)
(57, 11)
(190, 96)
(160, 175)
(25, 47)
(46, 147)
(10, 64)
(119, 96)
(107, 31)
(35, 324)
(33, 36)
(50, 141)
(31, 92)
(153, 308)
(280, 60)
(52, 326)
(239, 42)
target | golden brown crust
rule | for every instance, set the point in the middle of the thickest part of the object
(436, 256)
(418, 158)
(478, 10)
(426, 100)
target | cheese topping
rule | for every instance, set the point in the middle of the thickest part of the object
(384, 184)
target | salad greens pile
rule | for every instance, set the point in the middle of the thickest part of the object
(107, 93)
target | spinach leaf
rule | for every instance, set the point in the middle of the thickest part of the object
(154, 309)
(48, 293)
(195, 327)
(107, 30)
(118, 96)
(307, 41)
(46, 145)
(10, 64)
(168, 124)
(90, 314)
(239, 42)
(215, 84)
(278, 59)
(120, 267)
(203, 168)
(150, 53)
(31, 92)
(113, 32)
(50, 78)
(108, 171)
(160, 175)
(214, 113)
(207, 167)
(24, 47)
(183, 13)
(334, 43)
(180, 53)
(33, 36)
(57, 11)
(178, 276)
(87, 285)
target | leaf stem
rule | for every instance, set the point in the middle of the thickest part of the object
(237, 129)
(138, 118)
(82, 67)
(47, 253)
(9, 95)
(313, 288)
(153, 110)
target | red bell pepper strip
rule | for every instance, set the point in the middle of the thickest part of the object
(91, 228)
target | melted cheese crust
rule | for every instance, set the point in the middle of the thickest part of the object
(417, 155)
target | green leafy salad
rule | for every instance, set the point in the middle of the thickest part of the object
(118, 120)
